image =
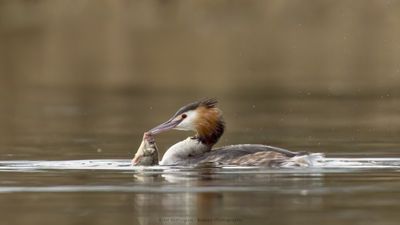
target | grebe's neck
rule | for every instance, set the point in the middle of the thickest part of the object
(183, 150)
(210, 129)
(209, 139)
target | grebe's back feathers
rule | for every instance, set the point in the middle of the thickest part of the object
(245, 154)
(252, 148)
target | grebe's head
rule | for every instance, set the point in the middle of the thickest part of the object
(202, 116)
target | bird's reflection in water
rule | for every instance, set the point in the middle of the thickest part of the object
(181, 201)
(184, 175)
(211, 194)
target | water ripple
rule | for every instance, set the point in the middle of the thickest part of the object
(125, 165)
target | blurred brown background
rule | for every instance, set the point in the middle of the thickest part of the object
(88, 75)
(331, 46)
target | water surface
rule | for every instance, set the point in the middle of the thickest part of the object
(65, 159)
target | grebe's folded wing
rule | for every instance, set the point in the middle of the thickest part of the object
(253, 148)
(246, 154)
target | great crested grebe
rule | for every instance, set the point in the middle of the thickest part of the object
(204, 118)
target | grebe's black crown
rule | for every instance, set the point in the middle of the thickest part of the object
(207, 102)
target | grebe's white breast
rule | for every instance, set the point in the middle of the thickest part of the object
(183, 150)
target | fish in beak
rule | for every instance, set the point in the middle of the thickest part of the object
(147, 154)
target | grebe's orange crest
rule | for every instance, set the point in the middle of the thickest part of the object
(209, 122)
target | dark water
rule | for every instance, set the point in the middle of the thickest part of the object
(44, 130)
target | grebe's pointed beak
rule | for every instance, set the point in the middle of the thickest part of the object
(170, 124)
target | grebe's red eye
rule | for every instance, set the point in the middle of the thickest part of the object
(184, 116)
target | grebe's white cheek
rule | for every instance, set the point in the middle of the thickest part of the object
(188, 122)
